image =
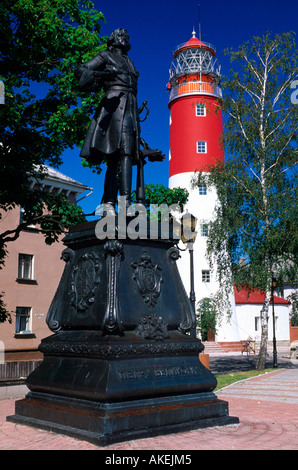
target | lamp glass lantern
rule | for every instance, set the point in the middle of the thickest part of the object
(189, 233)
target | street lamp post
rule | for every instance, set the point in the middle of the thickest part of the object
(188, 237)
(273, 286)
(192, 295)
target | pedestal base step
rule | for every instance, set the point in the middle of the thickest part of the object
(107, 423)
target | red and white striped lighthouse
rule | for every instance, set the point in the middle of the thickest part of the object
(195, 112)
(196, 130)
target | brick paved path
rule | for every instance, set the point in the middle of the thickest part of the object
(267, 407)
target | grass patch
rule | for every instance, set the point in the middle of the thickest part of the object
(228, 379)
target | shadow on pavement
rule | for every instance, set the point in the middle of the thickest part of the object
(230, 364)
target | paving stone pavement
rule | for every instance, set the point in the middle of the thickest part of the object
(267, 407)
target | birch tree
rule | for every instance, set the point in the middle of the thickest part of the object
(256, 215)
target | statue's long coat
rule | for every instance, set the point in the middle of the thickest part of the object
(118, 105)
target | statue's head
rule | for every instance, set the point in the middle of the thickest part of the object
(119, 38)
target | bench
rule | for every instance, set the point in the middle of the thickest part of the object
(248, 346)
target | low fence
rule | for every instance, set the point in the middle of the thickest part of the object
(17, 369)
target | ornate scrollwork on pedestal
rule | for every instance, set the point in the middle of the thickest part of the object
(112, 322)
(173, 254)
(148, 279)
(54, 325)
(152, 327)
(84, 281)
(188, 319)
(122, 350)
(67, 255)
(53, 319)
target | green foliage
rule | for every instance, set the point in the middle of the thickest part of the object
(4, 314)
(206, 317)
(41, 44)
(158, 194)
(54, 215)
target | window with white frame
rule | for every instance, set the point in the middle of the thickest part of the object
(23, 320)
(204, 229)
(257, 323)
(25, 268)
(202, 190)
(201, 146)
(205, 275)
(200, 109)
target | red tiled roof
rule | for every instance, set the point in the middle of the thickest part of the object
(255, 297)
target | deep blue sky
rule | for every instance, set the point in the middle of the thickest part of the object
(155, 29)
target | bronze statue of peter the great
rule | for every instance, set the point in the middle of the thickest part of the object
(114, 133)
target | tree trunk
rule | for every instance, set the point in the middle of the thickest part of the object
(264, 315)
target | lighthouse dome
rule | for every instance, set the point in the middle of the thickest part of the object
(194, 56)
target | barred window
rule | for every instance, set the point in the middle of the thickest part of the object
(202, 190)
(200, 109)
(205, 276)
(201, 146)
(204, 230)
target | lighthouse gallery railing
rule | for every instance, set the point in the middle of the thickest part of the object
(194, 87)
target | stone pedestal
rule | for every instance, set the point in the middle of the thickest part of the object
(120, 364)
